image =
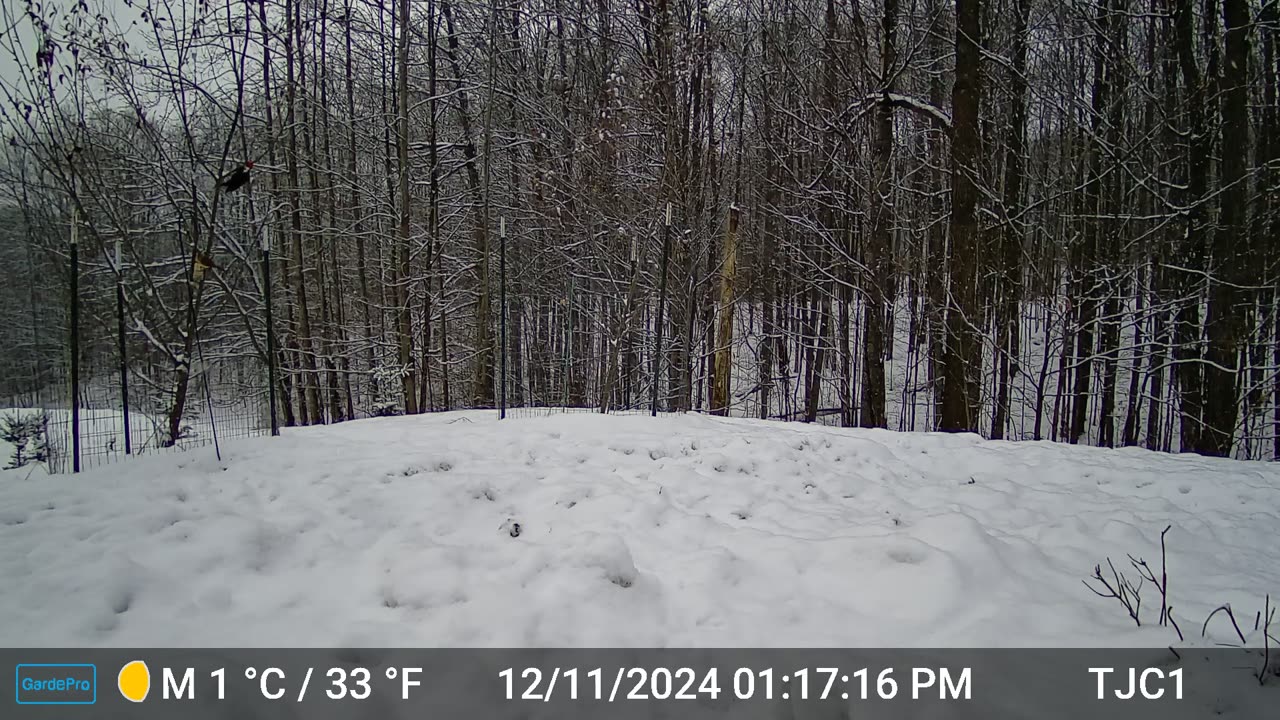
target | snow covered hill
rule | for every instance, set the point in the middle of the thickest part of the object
(586, 530)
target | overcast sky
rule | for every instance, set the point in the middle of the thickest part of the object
(19, 36)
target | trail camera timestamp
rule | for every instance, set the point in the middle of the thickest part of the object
(627, 684)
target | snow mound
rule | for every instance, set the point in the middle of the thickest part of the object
(589, 530)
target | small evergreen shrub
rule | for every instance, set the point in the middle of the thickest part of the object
(28, 434)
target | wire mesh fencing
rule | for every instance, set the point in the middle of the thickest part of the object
(112, 375)
(105, 433)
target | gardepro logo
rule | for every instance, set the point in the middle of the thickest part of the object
(56, 684)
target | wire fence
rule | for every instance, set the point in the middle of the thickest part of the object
(597, 336)
(105, 434)
(115, 390)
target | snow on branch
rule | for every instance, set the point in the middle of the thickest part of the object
(933, 113)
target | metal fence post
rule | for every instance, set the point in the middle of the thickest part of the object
(568, 345)
(662, 307)
(271, 333)
(124, 357)
(75, 336)
(502, 303)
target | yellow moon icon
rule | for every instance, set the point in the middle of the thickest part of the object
(135, 681)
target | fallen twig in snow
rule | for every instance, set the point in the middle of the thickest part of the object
(1227, 607)
(1270, 614)
(1175, 623)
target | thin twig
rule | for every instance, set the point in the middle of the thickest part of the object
(1266, 642)
(1174, 623)
(1122, 590)
(1230, 614)
(1164, 580)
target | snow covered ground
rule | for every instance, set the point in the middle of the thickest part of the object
(459, 529)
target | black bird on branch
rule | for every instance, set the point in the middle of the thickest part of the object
(239, 177)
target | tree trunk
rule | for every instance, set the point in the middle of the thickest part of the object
(404, 326)
(482, 379)
(1191, 255)
(962, 360)
(306, 351)
(720, 398)
(1008, 318)
(879, 243)
(1226, 313)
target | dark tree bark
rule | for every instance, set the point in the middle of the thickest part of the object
(962, 361)
(1192, 251)
(483, 376)
(1226, 313)
(306, 350)
(404, 326)
(1008, 338)
(879, 242)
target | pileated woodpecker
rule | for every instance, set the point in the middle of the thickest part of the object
(239, 177)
